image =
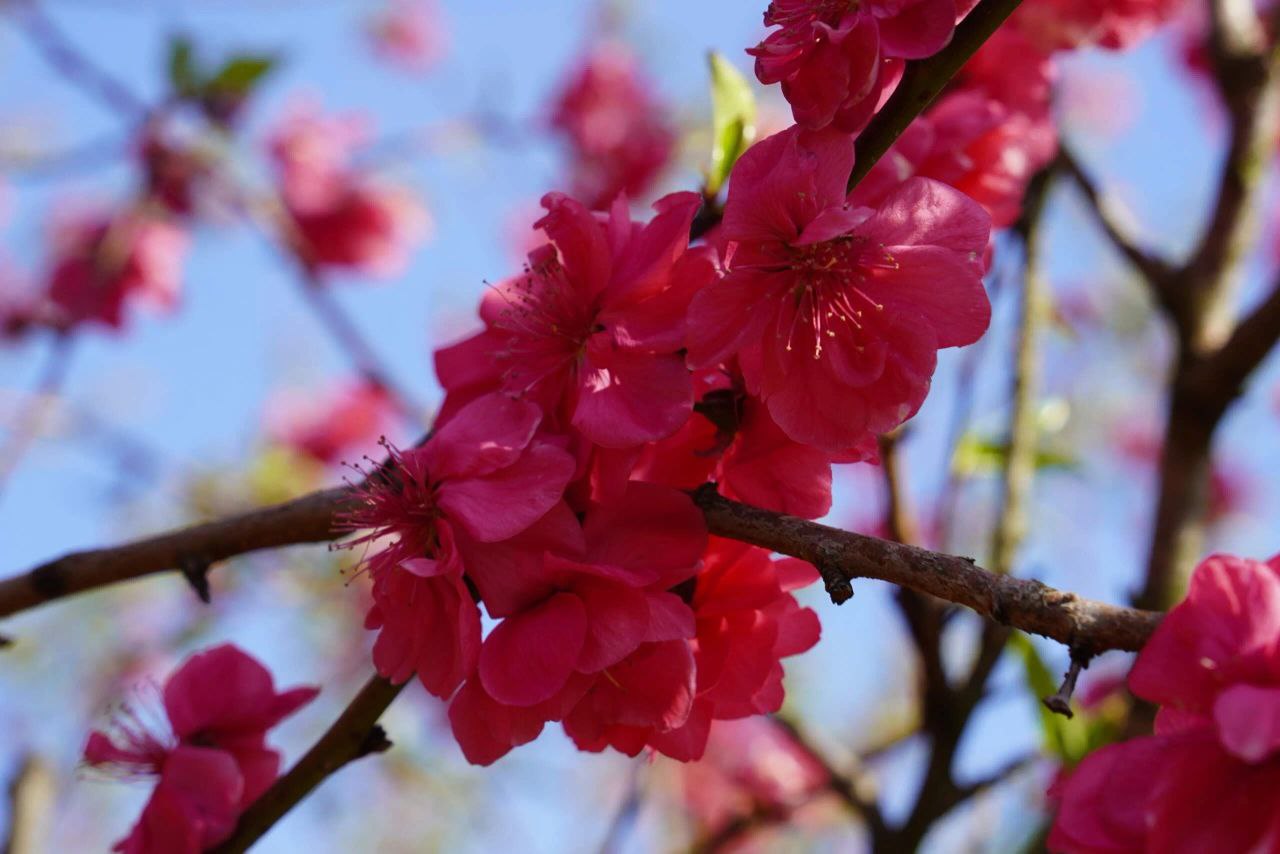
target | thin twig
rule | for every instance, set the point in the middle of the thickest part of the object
(1158, 273)
(30, 418)
(74, 64)
(355, 734)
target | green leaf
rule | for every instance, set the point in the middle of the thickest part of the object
(975, 455)
(183, 76)
(733, 120)
(240, 74)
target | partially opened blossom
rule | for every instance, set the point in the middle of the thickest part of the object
(594, 327)
(838, 60)
(211, 762)
(341, 217)
(836, 312)
(481, 495)
(1209, 779)
(326, 426)
(102, 263)
(618, 133)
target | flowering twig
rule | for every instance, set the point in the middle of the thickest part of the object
(923, 81)
(354, 735)
(1021, 603)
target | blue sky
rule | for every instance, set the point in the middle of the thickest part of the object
(192, 386)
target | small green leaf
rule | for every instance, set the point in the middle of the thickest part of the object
(183, 76)
(976, 455)
(733, 120)
(240, 74)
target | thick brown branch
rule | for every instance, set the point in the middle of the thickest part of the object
(1024, 604)
(305, 520)
(1021, 603)
(354, 734)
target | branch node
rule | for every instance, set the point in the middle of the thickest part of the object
(195, 569)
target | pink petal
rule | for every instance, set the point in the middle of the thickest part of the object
(643, 268)
(920, 29)
(1248, 719)
(942, 286)
(500, 505)
(629, 397)
(652, 529)
(617, 623)
(487, 434)
(927, 212)
(528, 657)
(580, 238)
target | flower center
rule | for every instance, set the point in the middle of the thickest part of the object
(547, 322)
(828, 298)
(397, 500)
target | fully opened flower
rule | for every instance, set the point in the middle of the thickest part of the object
(837, 59)
(482, 495)
(835, 312)
(1208, 780)
(592, 330)
(212, 762)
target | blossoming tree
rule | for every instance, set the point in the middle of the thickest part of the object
(672, 442)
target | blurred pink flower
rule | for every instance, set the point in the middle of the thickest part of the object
(341, 217)
(212, 761)
(409, 33)
(347, 419)
(619, 135)
(101, 262)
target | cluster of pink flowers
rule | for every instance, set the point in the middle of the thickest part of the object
(619, 137)
(210, 754)
(1207, 779)
(621, 367)
(340, 217)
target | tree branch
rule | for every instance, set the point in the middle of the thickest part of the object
(355, 734)
(1158, 274)
(309, 519)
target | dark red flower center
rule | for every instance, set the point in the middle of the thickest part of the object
(829, 295)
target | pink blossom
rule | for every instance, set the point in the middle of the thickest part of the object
(214, 760)
(348, 419)
(733, 441)
(588, 623)
(593, 329)
(618, 133)
(749, 764)
(1115, 24)
(482, 495)
(836, 312)
(837, 61)
(747, 622)
(100, 263)
(1206, 780)
(410, 34)
(341, 218)
(987, 137)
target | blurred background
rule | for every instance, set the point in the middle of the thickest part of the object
(234, 396)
